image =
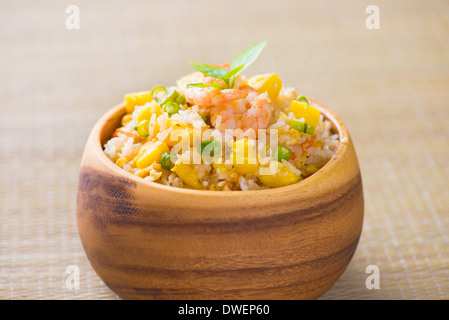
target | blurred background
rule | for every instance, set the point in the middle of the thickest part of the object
(389, 85)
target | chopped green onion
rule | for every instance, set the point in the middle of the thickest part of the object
(171, 107)
(175, 96)
(171, 97)
(298, 125)
(155, 93)
(167, 160)
(172, 101)
(142, 128)
(181, 99)
(303, 99)
(205, 119)
(214, 147)
(302, 126)
(282, 152)
(309, 129)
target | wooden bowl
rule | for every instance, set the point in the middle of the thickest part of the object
(150, 241)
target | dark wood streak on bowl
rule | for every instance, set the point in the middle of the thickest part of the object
(148, 241)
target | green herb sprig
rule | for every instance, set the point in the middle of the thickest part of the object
(242, 61)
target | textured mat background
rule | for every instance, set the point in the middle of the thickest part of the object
(390, 86)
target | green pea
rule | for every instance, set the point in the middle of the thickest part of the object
(167, 160)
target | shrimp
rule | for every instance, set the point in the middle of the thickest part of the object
(242, 107)
(249, 114)
(259, 114)
(209, 97)
(130, 133)
(227, 116)
(197, 77)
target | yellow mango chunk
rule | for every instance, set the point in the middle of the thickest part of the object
(244, 156)
(224, 168)
(120, 161)
(143, 173)
(179, 134)
(188, 174)
(302, 109)
(269, 83)
(156, 129)
(150, 152)
(146, 112)
(136, 99)
(282, 115)
(218, 165)
(317, 144)
(173, 123)
(282, 177)
(244, 148)
(126, 118)
(246, 168)
(310, 169)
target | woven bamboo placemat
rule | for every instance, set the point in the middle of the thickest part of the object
(389, 85)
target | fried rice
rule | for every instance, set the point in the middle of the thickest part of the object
(167, 138)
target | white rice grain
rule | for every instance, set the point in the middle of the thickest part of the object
(243, 183)
(161, 136)
(127, 148)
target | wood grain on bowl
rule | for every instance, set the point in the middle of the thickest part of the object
(149, 241)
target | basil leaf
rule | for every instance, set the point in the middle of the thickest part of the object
(204, 85)
(208, 70)
(248, 56)
(233, 82)
(230, 74)
(233, 72)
